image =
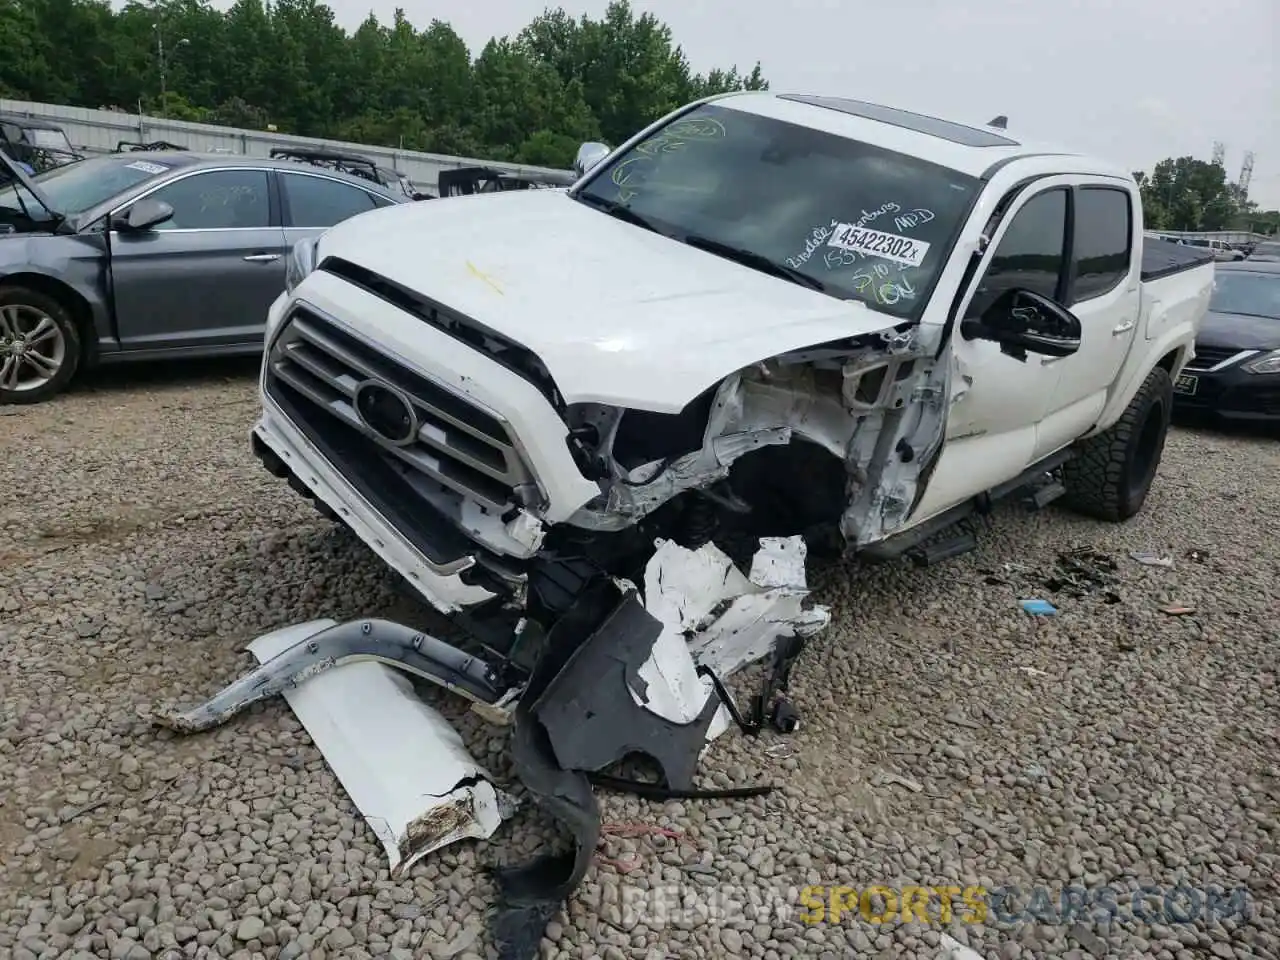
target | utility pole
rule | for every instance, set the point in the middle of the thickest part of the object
(158, 27)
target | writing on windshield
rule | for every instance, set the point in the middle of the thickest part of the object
(860, 221)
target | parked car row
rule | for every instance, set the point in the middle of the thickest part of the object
(1235, 373)
(1222, 250)
(152, 253)
(135, 256)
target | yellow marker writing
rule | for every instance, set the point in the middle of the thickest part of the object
(480, 275)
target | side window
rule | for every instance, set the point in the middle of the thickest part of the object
(1031, 254)
(1103, 241)
(218, 200)
(319, 202)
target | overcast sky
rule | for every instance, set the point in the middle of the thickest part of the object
(1133, 80)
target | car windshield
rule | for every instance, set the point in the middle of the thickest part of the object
(1238, 291)
(49, 139)
(850, 219)
(1266, 251)
(80, 186)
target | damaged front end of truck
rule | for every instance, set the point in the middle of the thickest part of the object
(616, 637)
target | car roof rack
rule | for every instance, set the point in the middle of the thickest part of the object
(469, 180)
(133, 146)
(351, 163)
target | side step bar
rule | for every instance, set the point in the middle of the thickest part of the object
(914, 542)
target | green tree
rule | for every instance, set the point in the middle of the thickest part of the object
(1188, 194)
(531, 98)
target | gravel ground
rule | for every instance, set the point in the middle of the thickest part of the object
(949, 738)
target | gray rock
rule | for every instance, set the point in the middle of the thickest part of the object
(250, 928)
(172, 539)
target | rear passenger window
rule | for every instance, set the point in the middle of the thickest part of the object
(1031, 254)
(1103, 241)
(319, 202)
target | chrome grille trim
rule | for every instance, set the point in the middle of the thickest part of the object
(1213, 359)
(459, 445)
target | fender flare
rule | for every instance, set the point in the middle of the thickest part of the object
(1142, 362)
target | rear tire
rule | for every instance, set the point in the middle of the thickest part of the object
(1111, 473)
(39, 346)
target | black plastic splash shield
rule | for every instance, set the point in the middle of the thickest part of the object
(591, 719)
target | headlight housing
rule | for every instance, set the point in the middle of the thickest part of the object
(1267, 363)
(302, 260)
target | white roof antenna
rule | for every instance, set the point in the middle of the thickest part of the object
(1000, 123)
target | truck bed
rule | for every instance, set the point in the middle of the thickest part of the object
(1160, 258)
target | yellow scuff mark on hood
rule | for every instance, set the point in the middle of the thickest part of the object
(481, 275)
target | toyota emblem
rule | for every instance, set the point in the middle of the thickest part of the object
(386, 412)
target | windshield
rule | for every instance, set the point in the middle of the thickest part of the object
(49, 139)
(80, 186)
(851, 219)
(1256, 294)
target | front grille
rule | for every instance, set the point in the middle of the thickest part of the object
(515, 357)
(1207, 356)
(459, 448)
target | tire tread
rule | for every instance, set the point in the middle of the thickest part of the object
(1096, 477)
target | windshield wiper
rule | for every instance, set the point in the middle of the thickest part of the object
(616, 209)
(757, 261)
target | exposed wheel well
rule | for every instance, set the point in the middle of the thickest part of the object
(66, 295)
(791, 488)
(1172, 360)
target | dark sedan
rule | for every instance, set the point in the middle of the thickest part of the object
(1235, 373)
(150, 255)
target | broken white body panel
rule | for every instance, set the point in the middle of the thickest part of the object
(714, 617)
(403, 765)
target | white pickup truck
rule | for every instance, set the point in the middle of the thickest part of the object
(796, 321)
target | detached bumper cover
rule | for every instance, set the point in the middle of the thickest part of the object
(399, 760)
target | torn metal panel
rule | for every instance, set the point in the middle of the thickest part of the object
(880, 407)
(714, 617)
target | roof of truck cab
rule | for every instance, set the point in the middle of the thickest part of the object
(969, 148)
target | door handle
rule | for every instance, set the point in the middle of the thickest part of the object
(262, 258)
(1123, 327)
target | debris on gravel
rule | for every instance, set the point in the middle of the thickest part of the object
(962, 769)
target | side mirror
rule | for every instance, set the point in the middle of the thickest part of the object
(1023, 322)
(145, 214)
(589, 154)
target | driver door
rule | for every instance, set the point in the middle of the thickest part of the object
(996, 427)
(205, 278)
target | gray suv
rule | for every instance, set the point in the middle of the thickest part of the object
(140, 256)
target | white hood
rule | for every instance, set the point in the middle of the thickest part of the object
(618, 314)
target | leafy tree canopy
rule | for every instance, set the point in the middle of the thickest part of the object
(1190, 194)
(531, 98)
